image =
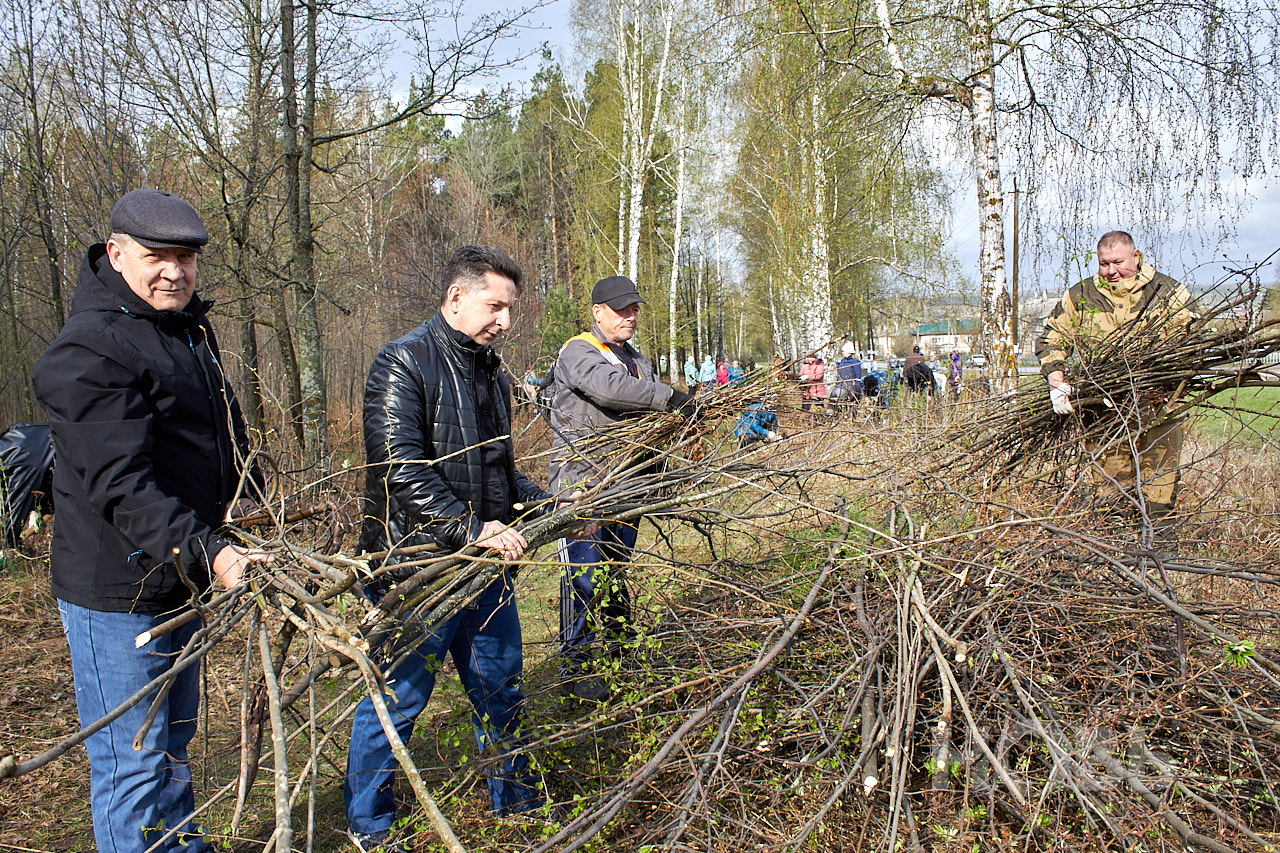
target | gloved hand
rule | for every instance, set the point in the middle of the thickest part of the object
(681, 402)
(773, 436)
(1060, 397)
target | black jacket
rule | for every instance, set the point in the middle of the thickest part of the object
(148, 438)
(420, 406)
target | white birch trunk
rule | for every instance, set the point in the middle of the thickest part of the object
(697, 311)
(773, 320)
(977, 93)
(640, 119)
(621, 266)
(681, 116)
(632, 113)
(991, 262)
(719, 335)
(815, 290)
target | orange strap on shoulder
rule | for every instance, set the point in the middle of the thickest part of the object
(591, 339)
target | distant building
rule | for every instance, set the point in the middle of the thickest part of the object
(1032, 317)
(883, 342)
(947, 336)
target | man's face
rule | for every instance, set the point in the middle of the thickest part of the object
(162, 278)
(618, 326)
(482, 315)
(1117, 261)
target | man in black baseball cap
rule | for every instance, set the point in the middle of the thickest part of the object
(616, 291)
(598, 378)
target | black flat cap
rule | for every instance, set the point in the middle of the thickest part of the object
(158, 220)
(616, 291)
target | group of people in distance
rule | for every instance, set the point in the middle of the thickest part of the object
(152, 451)
(854, 385)
(711, 374)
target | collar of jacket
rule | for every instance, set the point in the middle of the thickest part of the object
(599, 335)
(1126, 287)
(461, 347)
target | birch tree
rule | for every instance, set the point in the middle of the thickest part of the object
(831, 198)
(681, 138)
(1124, 106)
(642, 53)
(815, 285)
(647, 43)
(782, 187)
(658, 56)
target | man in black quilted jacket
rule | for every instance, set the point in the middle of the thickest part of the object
(441, 471)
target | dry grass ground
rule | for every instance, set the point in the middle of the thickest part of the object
(47, 811)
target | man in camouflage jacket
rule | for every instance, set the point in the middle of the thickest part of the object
(1126, 293)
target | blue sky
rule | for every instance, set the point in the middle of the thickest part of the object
(1256, 221)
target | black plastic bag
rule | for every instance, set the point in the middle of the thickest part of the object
(26, 467)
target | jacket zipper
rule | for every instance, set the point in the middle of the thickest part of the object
(220, 424)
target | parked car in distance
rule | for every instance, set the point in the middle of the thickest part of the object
(977, 360)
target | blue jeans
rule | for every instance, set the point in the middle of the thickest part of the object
(139, 795)
(486, 646)
(593, 592)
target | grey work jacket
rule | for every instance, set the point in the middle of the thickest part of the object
(591, 389)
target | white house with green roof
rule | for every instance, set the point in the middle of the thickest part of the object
(946, 336)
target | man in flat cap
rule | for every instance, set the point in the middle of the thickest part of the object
(599, 378)
(150, 447)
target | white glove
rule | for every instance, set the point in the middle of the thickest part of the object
(1060, 396)
(772, 436)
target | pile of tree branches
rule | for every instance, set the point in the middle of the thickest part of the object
(848, 655)
(1005, 686)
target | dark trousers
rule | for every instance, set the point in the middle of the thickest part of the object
(486, 646)
(593, 592)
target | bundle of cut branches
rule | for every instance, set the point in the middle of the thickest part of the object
(655, 463)
(620, 449)
(1151, 372)
(305, 602)
(1000, 686)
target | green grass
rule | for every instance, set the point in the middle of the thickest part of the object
(1247, 413)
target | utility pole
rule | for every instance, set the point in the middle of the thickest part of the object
(1017, 338)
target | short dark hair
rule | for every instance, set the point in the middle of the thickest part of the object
(468, 264)
(1116, 238)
